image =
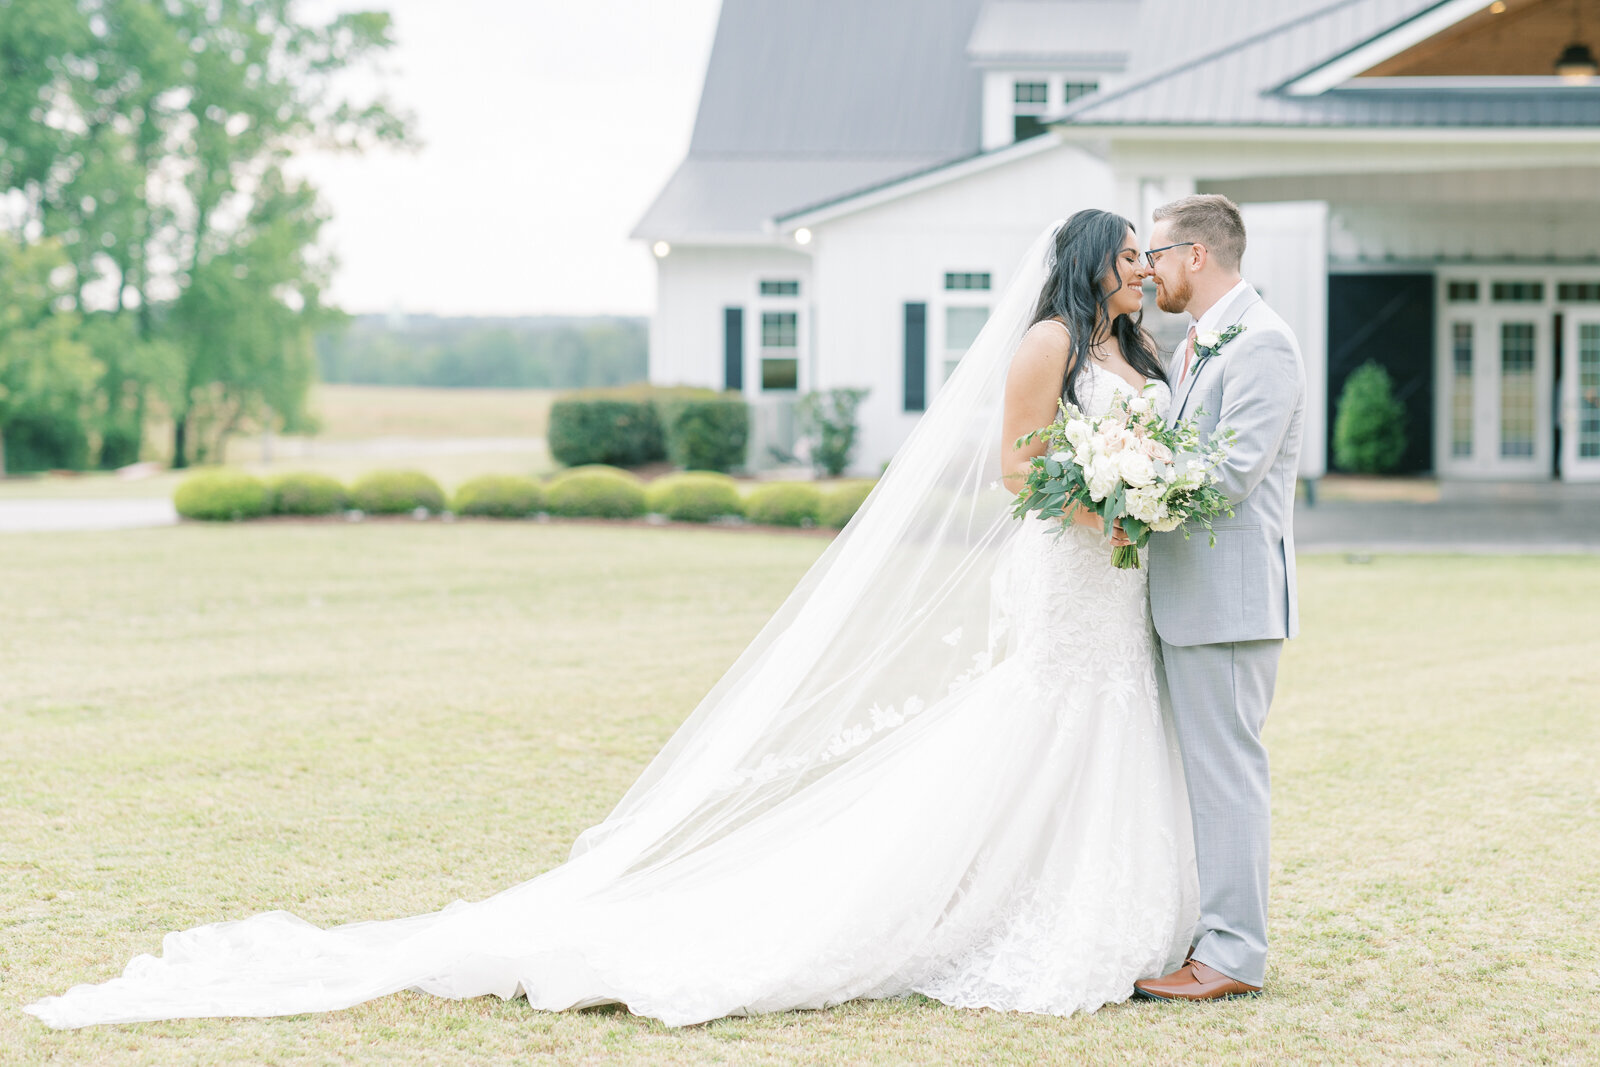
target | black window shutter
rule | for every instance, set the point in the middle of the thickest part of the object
(733, 349)
(916, 357)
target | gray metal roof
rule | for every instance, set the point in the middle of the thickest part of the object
(1091, 33)
(728, 199)
(805, 101)
(1238, 66)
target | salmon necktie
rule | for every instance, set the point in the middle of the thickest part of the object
(1188, 352)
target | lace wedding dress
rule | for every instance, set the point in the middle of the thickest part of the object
(943, 768)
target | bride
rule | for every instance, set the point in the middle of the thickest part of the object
(941, 768)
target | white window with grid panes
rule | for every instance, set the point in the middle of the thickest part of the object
(966, 310)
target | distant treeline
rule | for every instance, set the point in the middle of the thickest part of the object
(544, 352)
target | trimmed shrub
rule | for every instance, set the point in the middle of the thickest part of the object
(1369, 432)
(783, 504)
(222, 495)
(499, 496)
(695, 496)
(43, 440)
(706, 433)
(597, 491)
(396, 492)
(840, 503)
(828, 420)
(305, 493)
(119, 446)
(605, 428)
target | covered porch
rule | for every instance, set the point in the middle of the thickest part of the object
(1466, 263)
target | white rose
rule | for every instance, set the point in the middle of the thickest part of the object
(1103, 477)
(1207, 339)
(1166, 524)
(1139, 405)
(1136, 468)
(1079, 433)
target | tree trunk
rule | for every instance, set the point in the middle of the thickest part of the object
(180, 442)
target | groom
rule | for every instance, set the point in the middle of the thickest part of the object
(1223, 613)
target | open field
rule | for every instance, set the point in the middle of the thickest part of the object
(356, 412)
(370, 721)
(451, 434)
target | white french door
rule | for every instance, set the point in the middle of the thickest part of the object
(1580, 396)
(1495, 374)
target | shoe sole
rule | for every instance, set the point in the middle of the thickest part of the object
(1144, 994)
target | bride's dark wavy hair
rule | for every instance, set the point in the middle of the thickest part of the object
(1087, 246)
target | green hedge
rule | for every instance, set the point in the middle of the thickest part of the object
(706, 433)
(616, 427)
(695, 496)
(596, 491)
(305, 493)
(499, 496)
(840, 503)
(784, 504)
(222, 496)
(396, 492)
(699, 429)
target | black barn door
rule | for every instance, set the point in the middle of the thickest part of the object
(1387, 318)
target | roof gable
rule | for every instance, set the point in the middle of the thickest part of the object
(1093, 34)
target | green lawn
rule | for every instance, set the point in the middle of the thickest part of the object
(369, 721)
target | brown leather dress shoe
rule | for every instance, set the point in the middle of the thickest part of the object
(1193, 981)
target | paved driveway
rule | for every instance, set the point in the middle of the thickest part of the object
(45, 516)
(1498, 526)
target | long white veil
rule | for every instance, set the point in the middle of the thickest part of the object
(894, 616)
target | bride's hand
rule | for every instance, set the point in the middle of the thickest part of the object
(1082, 516)
(1119, 536)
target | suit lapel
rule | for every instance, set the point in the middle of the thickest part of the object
(1235, 311)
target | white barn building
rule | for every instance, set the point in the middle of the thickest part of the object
(1420, 185)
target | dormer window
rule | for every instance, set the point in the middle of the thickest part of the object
(1073, 90)
(1031, 99)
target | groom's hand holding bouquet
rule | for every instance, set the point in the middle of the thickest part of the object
(1130, 467)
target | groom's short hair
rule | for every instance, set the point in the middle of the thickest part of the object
(1209, 219)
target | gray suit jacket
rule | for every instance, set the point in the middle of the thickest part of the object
(1244, 588)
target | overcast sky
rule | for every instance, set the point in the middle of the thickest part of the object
(548, 127)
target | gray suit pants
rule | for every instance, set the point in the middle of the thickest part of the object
(1220, 695)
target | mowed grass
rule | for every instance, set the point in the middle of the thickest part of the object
(370, 721)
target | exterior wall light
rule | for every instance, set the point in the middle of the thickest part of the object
(661, 249)
(802, 236)
(1576, 63)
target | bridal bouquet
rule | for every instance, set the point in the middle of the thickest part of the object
(1128, 464)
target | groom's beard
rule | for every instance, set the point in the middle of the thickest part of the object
(1173, 299)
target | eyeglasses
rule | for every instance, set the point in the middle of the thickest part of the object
(1150, 256)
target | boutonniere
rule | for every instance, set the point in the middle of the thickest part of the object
(1210, 342)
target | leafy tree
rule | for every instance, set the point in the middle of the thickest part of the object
(1369, 431)
(160, 168)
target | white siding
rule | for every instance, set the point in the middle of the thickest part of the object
(870, 264)
(694, 285)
